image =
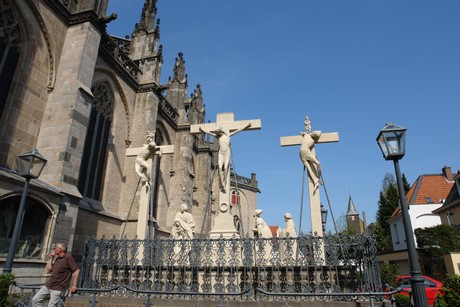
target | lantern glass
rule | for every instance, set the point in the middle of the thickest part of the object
(323, 215)
(31, 164)
(392, 141)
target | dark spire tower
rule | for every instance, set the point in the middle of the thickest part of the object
(145, 49)
(354, 223)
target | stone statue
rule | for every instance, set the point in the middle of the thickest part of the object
(224, 151)
(31, 246)
(261, 230)
(289, 229)
(148, 150)
(182, 233)
(288, 248)
(183, 230)
(186, 220)
(307, 153)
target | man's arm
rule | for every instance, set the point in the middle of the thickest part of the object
(73, 286)
(49, 264)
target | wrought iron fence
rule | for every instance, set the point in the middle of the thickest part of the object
(25, 294)
(235, 269)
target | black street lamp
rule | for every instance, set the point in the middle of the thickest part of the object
(392, 143)
(30, 166)
(323, 217)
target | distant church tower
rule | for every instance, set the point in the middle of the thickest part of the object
(354, 223)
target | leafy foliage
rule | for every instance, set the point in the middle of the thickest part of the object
(438, 240)
(382, 240)
(341, 224)
(388, 273)
(452, 292)
(402, 300)
(5, 282)
(388, 199)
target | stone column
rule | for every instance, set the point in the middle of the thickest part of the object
(63, 130)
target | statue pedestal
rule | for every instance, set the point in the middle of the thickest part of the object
(223, 224)
(316, 221)
(143, 217)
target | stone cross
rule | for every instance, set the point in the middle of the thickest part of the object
(307, 140)
(222, 130)
(148, 188)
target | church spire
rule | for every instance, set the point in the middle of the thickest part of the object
(145, 49)
(354, 223)
(179, 69)
(351, 208)
(149, 11)
(177, 87)
(196, 112)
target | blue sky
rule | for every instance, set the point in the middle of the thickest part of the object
(349, 65)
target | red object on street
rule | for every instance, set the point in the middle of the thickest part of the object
(432, 287)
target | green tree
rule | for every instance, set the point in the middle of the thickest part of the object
(388, 273)
(438, 240)
(402, 300)
(387, 204)
(341, 225)
(5, 282)
(382, 241)
(452, 292)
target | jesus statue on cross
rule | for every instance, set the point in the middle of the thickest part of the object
(224, 151)
(307, 153)
(222, 131)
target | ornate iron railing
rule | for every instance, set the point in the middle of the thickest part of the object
(236, 268)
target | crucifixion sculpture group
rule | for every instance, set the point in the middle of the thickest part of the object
(222, 131)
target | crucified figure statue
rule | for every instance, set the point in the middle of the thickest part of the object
(307, 153)
(223, 138)
(148, 150)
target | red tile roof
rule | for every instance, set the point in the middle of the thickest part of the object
(274, 230)
(427, 189)
(435, 187)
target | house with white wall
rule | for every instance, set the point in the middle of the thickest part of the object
(427, 194)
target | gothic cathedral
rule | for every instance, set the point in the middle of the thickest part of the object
(88, 101)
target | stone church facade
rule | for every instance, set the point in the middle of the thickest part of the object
(85, 100)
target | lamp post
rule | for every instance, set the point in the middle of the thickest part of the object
(323, 217)
(30, 166)
(392, 143)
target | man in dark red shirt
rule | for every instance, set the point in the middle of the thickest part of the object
(63, 270)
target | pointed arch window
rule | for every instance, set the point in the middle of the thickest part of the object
(90, 181)
(10, 43)
(34, 228)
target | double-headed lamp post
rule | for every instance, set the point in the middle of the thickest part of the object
(392, 142)
(30, 166)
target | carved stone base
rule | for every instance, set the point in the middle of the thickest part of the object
(223, 224)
